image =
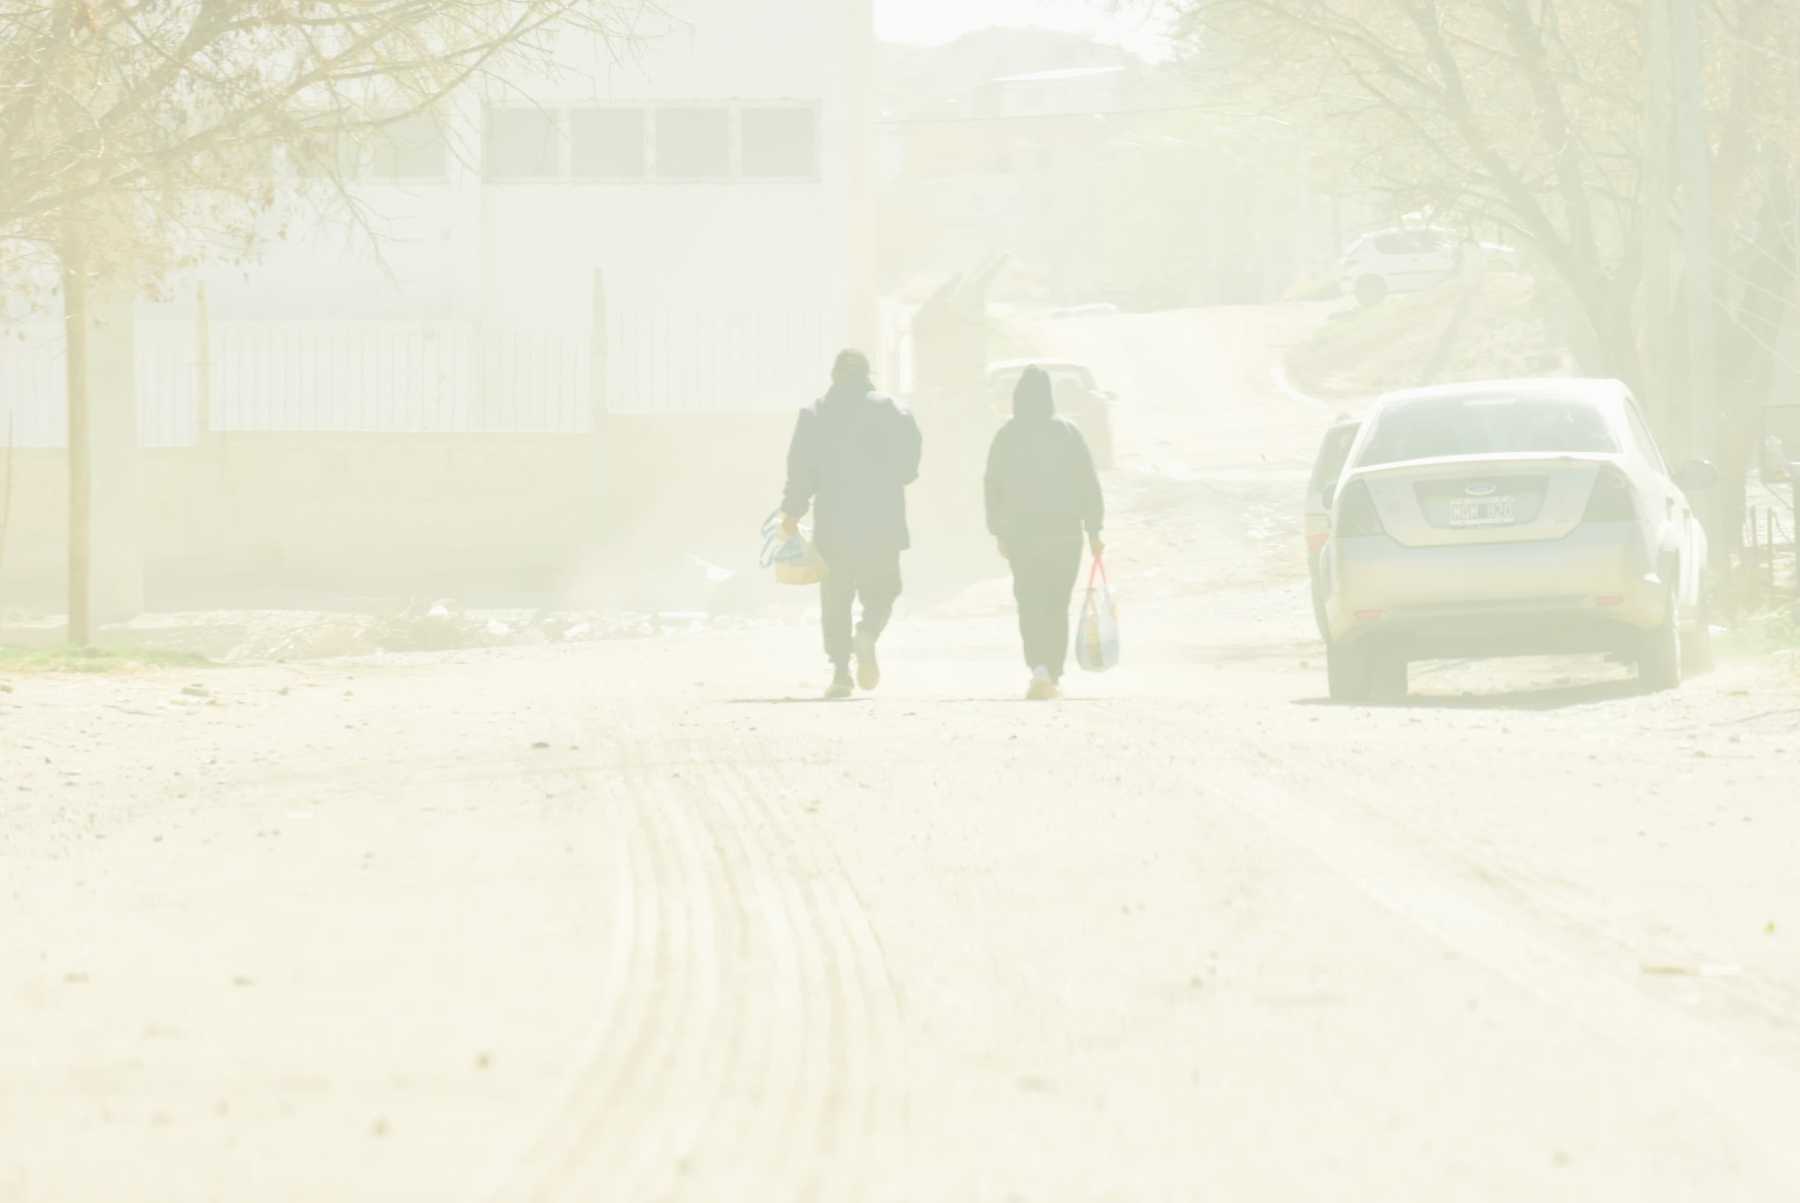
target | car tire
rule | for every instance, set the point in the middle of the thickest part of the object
(1371, 290)
(1660, 658)
(1696, 646)
(1347, 673)
(1318, 605)
(1387, 677)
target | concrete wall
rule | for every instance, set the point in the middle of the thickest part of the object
(629, 517)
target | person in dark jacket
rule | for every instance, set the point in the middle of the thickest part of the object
(853, 453)
(1042, 493)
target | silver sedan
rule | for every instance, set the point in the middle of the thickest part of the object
(1521, 517)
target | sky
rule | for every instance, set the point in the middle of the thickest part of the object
(935, 21)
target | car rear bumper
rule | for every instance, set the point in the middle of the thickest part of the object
(1593, 591)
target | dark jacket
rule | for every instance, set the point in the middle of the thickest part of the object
(853, 454)
(1040, 473)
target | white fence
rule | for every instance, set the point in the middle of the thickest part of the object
(313, 376)
(427, 377)
(398, 377)
(714, 360)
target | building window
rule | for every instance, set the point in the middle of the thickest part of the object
(780, 143)
(412, 148)
(693, 144)
(607, 144)
(520, 144)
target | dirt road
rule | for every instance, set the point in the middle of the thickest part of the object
(635, 921)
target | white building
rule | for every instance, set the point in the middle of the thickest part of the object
(711, 182)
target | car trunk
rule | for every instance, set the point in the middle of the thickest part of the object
(1483, 499)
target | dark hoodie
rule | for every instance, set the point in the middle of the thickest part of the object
(1040, 473)
(853, 453)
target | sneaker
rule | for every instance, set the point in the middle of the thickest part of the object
(1042, 688)
(868, 669)
(840, 687)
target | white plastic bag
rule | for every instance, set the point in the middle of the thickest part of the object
(1097, 639)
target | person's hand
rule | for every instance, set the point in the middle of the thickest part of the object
(1096, 544)
(790, 526)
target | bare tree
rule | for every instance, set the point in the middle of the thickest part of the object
(1756, 87)
(1549, 118)
(140, 135)
(1499, 111)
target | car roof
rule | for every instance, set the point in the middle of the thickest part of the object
(1015, 365)
(1593, 391)
(1376, 233)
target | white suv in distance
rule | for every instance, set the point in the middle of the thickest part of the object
(1411, 259)
(1523, 517)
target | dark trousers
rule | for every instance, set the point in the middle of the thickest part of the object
(873, 576)
(1044, 569)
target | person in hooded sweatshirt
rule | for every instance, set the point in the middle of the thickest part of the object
(853, 453)
(1042, 496)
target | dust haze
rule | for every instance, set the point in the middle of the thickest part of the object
(901, 601)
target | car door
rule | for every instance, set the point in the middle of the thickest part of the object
(1353, 262)
(1682, 533)
(1321, 487)
(1393, 259)
(1443, 254)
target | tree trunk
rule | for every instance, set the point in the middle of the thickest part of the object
(1746, 377)
(1608, 346)
(75, 332)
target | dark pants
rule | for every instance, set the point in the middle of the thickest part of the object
(873, 576)
(1044, 569)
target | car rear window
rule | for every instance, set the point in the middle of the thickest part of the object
(1445, 426)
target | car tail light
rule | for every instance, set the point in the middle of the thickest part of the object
(1356, 515)
(1611, 500)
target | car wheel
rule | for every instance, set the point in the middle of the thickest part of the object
(1387, 677)
(1371, 290)
(1318, 604)
(1696, 646)
(1347, 673)
(1660, 658)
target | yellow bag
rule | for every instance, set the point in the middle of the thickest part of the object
(806, 567)
(795, 560)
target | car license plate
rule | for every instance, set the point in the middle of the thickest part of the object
(1481, 511)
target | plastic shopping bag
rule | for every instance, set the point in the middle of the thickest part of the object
(1097, 639)
(793, 557)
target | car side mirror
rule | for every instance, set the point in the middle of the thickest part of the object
(1696, 474)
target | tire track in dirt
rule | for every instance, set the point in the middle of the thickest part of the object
(622, 1010)
(747, 1040)
(682, 1011)
(859, 1128)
